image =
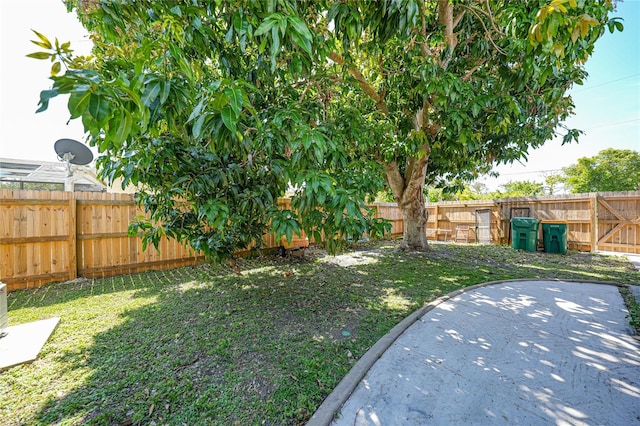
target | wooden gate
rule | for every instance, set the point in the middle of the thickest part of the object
(619, 222)
(483, 226)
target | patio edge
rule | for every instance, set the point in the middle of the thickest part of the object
(332, 404)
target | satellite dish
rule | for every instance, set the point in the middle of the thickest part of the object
(72, 152)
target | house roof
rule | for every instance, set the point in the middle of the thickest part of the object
(14, 170)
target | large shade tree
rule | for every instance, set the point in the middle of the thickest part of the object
(212, 108)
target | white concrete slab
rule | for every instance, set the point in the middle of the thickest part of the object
(24, 342)
(528, 352)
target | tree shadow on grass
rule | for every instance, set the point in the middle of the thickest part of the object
(207, 349)
(206, 346)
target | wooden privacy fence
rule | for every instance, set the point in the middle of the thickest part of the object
(575, 210)
(50, 236)
(54, 236)
(608, 221)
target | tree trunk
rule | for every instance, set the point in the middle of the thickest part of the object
(408, 187)
(414, 216)
(409, 196)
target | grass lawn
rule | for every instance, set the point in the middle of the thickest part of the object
(208, 345)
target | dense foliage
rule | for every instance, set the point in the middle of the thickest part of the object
(523, 188)
(610, 170)
(213, 108)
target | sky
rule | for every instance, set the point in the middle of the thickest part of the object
(24, 134)
(607, 106)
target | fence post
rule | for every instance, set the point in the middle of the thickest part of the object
(593, 201)
(496, 213)
(73, 229)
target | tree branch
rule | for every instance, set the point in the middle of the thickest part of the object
(364, 84)
(421, 120)
(475, 12)
(467, 76)
(445, 18)
(395, 179)
(424, 46)
(493, 21)
(457, 19)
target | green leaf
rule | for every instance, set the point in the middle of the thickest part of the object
(186, 69)
(228, 118)
(196, 111)
(45, 96)
(219, 101)
(301, 34)
(197, 126)
(317, 151)
(39, 43)
(313, 183)
(164, 92)
(113, 124)
(45, 41)
(327, 184)
(98, 108)
(282, 25)
(41, 55)
(307, 140)
(318, 154)
(246, 103)
(151, 92)
(351, 209)
(55, 68)
(235, 99)
(475, 109)
(237, 22)
(302, 42)
(120, 127)
(133, 95)
(275, 46)
(78, 103)
(268, 24)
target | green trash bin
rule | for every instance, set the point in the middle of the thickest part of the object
(554, 236)
(524, 233)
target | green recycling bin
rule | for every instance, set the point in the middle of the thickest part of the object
(554, 236)
(524, 233)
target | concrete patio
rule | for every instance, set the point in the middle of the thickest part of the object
(518, 352)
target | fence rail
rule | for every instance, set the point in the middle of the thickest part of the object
(50, 236)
